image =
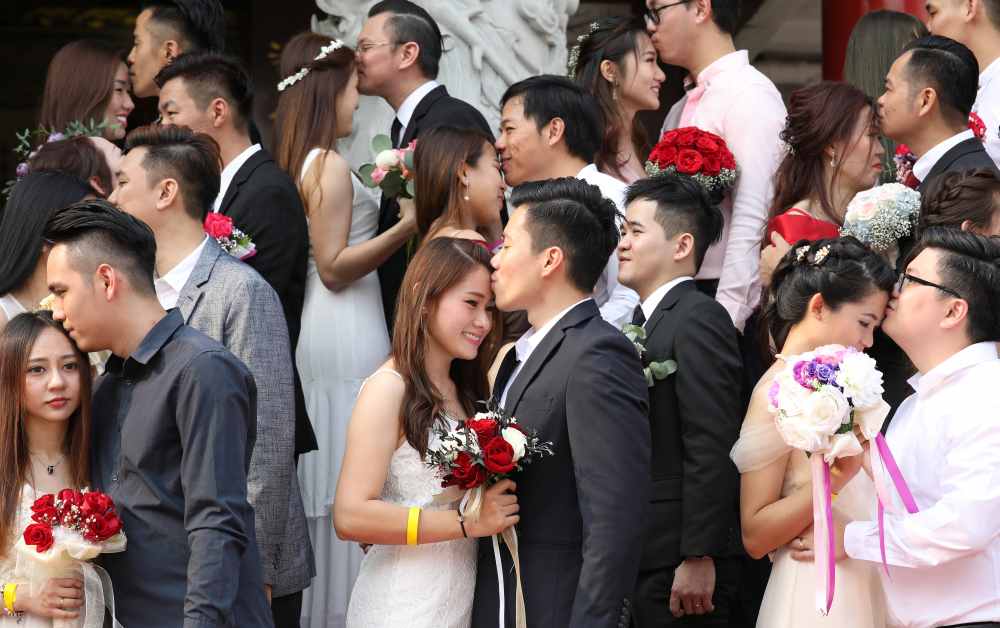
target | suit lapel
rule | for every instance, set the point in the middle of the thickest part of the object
(423, 107)
(193, 290)
(956, 152)
(668, 301)
(242, 175)
(540, 355)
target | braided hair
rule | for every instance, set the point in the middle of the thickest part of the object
(957, 197)
(842, 270)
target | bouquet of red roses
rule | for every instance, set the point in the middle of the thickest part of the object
(701, 155)
(67, 529)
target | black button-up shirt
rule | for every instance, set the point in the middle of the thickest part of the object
(173, 432)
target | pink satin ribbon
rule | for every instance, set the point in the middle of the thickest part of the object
(883, 460)
(825, 558)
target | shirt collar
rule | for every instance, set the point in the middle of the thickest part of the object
(725, 63)
(154, 341)
(405, 111)
(178, 276)
(990, 73)
(926, 383)
(527, 343)
(653, 300)
(926, 162)
(229, 173)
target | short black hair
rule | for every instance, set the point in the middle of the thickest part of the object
(179, 153)
(682, 206)
(211, 75)
(201, 24)
(410, 22)
(31, 202)
(726, 15)
(969, 265)
(947, 67)
(548, 96)
(96, 232)
(573, 215)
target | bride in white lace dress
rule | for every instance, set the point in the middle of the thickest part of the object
(433, 376)
(833, 297)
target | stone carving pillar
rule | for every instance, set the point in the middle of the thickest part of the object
(488, 45)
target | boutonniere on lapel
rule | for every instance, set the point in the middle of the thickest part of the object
(653, 370)
(232, 240)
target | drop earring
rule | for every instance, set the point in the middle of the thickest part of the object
(466, 196)
(614, 91)
(833, 161)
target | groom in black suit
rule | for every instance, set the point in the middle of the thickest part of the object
(577, 381)
(399, 51)
(689, 572)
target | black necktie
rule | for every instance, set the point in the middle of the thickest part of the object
(397, 126)
(506, 369)
(638, 316)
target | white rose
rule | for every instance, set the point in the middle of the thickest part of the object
(387, 159)
(791, 395)
(826, 409)
(517, 440)
(860, 379)
(843, 446)
(821, 415)
(871, 419)
(797, 433)
(866, 210)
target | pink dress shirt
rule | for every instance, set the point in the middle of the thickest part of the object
(735, 101)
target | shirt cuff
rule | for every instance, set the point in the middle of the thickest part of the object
(861, 541)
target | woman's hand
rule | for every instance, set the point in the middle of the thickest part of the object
(408, 214)
(60, 598)
(843, 471)
(499, 510)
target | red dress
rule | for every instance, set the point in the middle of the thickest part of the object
(795, 225)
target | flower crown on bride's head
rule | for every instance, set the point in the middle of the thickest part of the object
(301, 74)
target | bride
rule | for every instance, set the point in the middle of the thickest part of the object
(826, 292)
(432, 376)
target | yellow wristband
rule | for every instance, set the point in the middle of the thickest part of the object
(833, 496)
(412, 526)
(9, 597)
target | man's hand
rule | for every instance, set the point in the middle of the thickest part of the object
(694, 584)
(770, 256)
(803, 546)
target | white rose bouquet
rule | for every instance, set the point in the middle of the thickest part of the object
(822, 401)
(392, 170)
(879, 217)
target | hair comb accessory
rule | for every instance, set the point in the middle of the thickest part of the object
(820, 256)
(801, 252)
(574, 53)
(301, 74)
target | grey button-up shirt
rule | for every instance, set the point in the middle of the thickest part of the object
(173, 431)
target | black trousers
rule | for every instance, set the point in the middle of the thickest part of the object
(287, 610)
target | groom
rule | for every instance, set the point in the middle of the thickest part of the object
(577, 381)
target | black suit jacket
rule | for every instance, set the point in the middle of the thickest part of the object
(695, 416)
(263, 202)
(582, 509)
(967, 155)
(436, 109)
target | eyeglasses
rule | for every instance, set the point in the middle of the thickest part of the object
(369, 46)
(903, 278)
(652, 15)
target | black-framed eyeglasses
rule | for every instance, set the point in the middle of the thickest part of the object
(652, 15)
(904, 277)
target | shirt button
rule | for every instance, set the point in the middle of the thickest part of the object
(114, 477)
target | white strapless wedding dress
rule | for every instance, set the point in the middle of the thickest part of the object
(416, 586)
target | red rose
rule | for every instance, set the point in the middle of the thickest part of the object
(49, 516)
(669, 137)
(109, 526)
(95, 503)
(713, 165)
(728, 162)
(687, 138)
(44, 503)
(706, 145)
(666, 157)
(485, 429)
(39, 535)
(465, 473)
(902, 150)
(71, 496)
(498, 456)
(218, 225)
(689, 161)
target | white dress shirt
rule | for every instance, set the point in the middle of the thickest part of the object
(229, 172)
(527, 344)
(945, 559)
(926, 163)
(988, 107)
(616, 302)
(169, 286)
(653, 301)
(743, 107)
(405, 111)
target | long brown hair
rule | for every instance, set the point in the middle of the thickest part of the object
(79, 83)
(612, 40)
(307, 110)
(16, 342)
(438, 265)
(818, 116)
(440, 154)
(951, 200)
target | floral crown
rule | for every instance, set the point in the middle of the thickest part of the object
(698, 154)
(301, 74)
(574, 52)
(27, 148)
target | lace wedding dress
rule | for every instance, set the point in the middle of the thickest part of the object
(415, 586)
(790, 598)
